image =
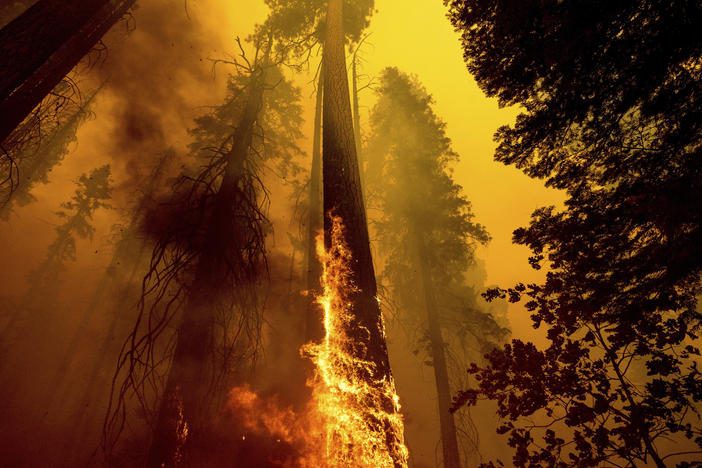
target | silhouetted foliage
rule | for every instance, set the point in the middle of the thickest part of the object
(44, 281)
(301, 23)
(209, 260)
(92, 193)
(612, 114)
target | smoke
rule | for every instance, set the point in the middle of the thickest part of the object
(155, 77)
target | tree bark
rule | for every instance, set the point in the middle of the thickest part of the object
(449, 438)
(314, 329)
(357, 119)
(184, 404)
(38, 48)
(342, 188)
(343, 197)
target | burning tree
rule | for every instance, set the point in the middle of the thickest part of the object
(206, 267)
(305, 25)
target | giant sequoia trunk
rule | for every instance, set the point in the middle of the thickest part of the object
(313, 319)
(449, 439)
(184, 407)
(343, 197)
(342, 188)
(38, 48)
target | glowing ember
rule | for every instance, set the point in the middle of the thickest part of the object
(361, 416)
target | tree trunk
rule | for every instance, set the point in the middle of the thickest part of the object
(34, 167)
(38, 48)
(357, 120)
(313, 323)
(449, 439)
(343, 197)
(342, 187)
(183, 411)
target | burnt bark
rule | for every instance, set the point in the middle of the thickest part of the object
(447, 423)
(39, 47)
(184, 404)
(314, 329)
(344, 198)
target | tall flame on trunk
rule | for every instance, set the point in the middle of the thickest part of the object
(353, 419)
(361, 415)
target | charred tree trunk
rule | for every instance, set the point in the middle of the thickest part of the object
(449, 438)
(184, 407)
(314, 330)
(38, 48)
(343, 197)
(342, 187)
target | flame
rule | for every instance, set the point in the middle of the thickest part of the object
(362, 421)
(353, 419)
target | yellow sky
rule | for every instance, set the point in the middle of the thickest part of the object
(416, 37)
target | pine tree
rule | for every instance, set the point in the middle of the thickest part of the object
(428, 234)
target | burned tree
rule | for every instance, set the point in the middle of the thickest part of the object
(209, 259)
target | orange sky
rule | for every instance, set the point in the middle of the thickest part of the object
(414, 36)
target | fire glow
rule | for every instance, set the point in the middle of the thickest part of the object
(352, 420)
(361, 416)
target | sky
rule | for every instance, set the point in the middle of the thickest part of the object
(416, 37)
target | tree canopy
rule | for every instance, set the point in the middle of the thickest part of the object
(610, 98)
(301, 23)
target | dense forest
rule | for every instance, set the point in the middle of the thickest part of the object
(350, 233)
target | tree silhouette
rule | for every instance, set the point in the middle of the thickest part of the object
(209, 259)
(611, 101)
(427, 232)
(31, 317)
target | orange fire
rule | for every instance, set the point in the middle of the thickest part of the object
(362, 420)
(352, 420)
